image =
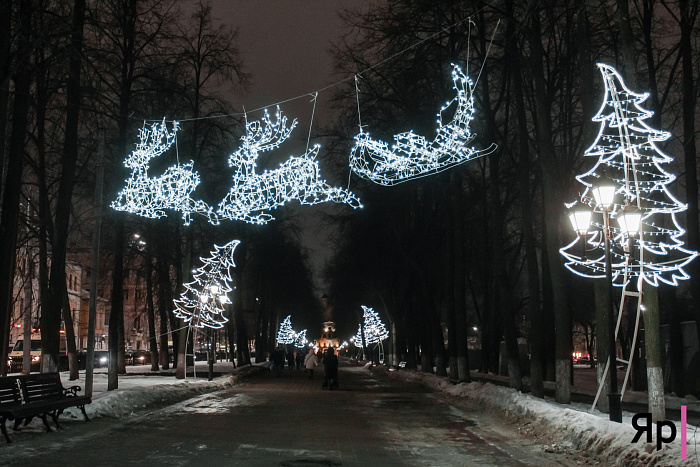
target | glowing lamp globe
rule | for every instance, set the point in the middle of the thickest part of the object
(604, 192)
(580, 220)
(630, 220)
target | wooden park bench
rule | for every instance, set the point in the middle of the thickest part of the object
(36, 395)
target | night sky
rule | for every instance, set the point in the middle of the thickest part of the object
(285, 47)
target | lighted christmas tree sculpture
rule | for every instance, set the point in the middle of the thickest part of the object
(627, 153)
(412, 156)
(300, 340)
(375, 331)
(150, 197)
(202, 302)
(285, 335)
(253, 194)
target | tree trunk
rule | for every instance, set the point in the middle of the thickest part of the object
(70, 337)
(57, 280)
(5, 50)
(152, 341)
(689, 10)
(9, 217)
(117, 303)
(552, 209)
(458, 286)
(537, 362)
(243, 352)
(450, 298)
(602, 340)
(163, 286)
(652, 340)
(674, 358)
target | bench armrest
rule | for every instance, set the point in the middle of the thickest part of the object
(72, 391)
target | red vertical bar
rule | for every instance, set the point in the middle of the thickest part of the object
(684, 413)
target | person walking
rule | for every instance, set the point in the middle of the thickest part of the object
(330, 365)
(277, 361)
(290, 359)
(310, 363)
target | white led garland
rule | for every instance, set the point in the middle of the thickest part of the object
(285, 335)
(627, 153)
(412, 156)
(375, 331)
(300, 340)
(202, 302)
(149, 197)
(296, 179)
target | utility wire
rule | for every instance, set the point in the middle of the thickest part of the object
(337, 83)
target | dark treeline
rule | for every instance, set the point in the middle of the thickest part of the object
(74, 76)
(470, 257)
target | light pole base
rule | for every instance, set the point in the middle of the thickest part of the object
(615, 407)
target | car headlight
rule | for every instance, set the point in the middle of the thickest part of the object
(103, 360)
(142, 358)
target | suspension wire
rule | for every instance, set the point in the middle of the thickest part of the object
(357, 97)
(488, 50)
(313, 111)
(337, 83)
(469, 42)
(177, 149)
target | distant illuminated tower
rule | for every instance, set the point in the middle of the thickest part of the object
(328, 338)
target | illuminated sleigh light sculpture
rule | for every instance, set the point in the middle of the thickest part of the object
(297, 178)
(150, 197)
(412, 156)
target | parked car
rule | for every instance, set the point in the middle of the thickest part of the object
(201, 355)
(140, 357)
(101, 359)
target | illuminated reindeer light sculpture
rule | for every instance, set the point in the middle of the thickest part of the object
(149, 197)
(297, 178)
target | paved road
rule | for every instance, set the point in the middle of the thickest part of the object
(290, 421)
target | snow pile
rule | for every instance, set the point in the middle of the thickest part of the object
(124, 402)
(597, 437)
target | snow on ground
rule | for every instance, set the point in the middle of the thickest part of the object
(572, 426)
(140, 389)
(560, 426)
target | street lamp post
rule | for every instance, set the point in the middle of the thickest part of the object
(614, 394)
(208, 299)
(604, 193)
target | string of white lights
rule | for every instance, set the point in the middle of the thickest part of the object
(412, 156)
(253, 195)
(286, 334)
(150, 197)
(202, 302)
(375, 331)
(627, 153)
(300, 340)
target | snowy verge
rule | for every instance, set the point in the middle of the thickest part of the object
(141, 392)
(593, 436)
(125, 402)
